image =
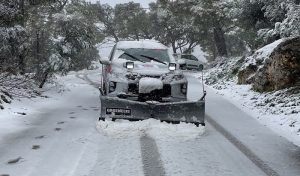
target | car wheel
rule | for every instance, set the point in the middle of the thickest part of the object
(183, 67)
(199, 124)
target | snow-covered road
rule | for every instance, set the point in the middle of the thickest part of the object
(64, 138)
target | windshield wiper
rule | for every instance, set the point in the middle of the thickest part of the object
(151, 58)
(135, 58)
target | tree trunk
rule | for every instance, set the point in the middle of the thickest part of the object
(44, 78)
(174, 47)
(115, 36)
(22, 9)
(21, 64)
(37, 54)
(190, 48)
(214, 53)
(21, 57)
(136, 35)
(219, 38)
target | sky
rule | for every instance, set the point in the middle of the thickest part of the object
(144, 3)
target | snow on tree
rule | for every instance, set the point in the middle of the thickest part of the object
(172, 23)
(12, 46)
(8, 12)
(76, 37)
(36, 42)
(283, 16)
(289, 27)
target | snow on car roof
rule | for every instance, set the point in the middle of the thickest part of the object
(150, 44)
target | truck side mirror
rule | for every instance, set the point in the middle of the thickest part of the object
(104, 61)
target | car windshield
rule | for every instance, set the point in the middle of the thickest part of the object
(140, 53)
(189, 57)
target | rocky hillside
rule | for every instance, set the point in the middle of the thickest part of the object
(273, 67)
(265, 85)
(272, 73)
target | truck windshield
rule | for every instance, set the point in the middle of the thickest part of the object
(158, 54)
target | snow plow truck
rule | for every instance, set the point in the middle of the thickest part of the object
(141, 80)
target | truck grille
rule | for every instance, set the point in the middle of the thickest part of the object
(133, 88)
(165, 92)
(150, 76)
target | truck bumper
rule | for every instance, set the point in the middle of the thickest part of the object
(182, 111)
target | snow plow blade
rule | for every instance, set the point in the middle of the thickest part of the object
(183, 111)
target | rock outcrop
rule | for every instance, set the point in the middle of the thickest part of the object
(273, 67)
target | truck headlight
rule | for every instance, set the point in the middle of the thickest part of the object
(130, 65)
(172, 66)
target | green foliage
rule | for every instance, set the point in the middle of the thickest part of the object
(56, 36)
(173, 23)
(9, 13)
(77, 39)
(264, 21)
(132, 21)
(12, 46)
(46, 37)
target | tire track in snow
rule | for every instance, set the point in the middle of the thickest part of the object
(96, 85)
(152, 163)
(243, 148)
(88, 80)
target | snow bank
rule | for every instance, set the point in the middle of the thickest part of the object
(23, 112)
(278, 110)
(267, 50)
(146, 85)
(154, 128)
(261, 55)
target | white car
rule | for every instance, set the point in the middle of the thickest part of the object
(188, 62)
(141, 80)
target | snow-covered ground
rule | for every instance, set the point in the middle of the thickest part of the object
(278, 110)
(61, 135)
(58, 136)
(154, 128)
(17, 116)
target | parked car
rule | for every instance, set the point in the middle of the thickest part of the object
(188, 62)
